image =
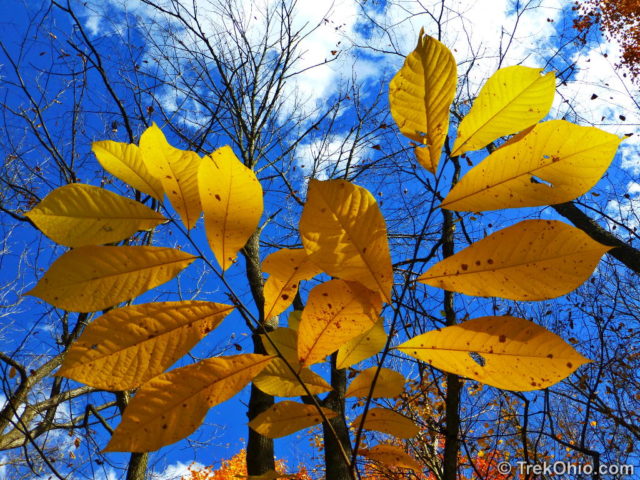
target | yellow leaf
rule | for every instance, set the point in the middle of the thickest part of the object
(286, 339)
(345, 234)
(387, 421)
(278, 380)
(286, 267)
(87, 279)
(363, 346)
(388, 384)
(77, 215)
(420, 95)
(555, 163)
(505, 352)
(171, 406)
(287, 417)
(124, 161)
(178, 172)
(512, 99)
(294, 319)
(391, 456)
(127, 346)
(232, 201)
(532, 260)
(336, 312)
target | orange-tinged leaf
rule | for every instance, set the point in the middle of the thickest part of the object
(388, 384)
(287, 417)
(363, 346)
(87, 279)
(171, 406)
(532, 260)
(294, 319)
(513, 99)
(125, 161)
(178, 172)
(391, 456)
(345, 234)
(555, 163)
(76, 215)
(278, 380)
(336, 312)
(286, 267)
(510, 353)
(127, 346)
(286, 341)
(231, 197)
(387, 421)
(420, 95)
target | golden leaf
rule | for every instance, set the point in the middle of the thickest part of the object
(363, 346)
(391, 456)
(389, 384)
(287, 417)
(278, 380)
(387, 421)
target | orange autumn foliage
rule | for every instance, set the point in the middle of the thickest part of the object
(619, 20)
(236, 467)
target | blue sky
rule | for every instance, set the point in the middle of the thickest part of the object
(471, 29)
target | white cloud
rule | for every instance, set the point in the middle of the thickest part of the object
(176, 471)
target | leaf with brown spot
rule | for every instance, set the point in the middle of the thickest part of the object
(391, 456)
(171, 406)
(389, 384)
(510, 353)
(278, 380)
(287, 417)
(532, 260)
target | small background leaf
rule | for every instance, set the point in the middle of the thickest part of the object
(77, 215)
(517, 354)
(88, 279)
(532, 260)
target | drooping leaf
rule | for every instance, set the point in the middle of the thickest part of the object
(336, 312)
(555, 163)
(388, 384)
(532, 260)
(76, 215)
(125, 161)
(345, 234)
(505, 352)
(286, 341)
(286, 267)
(171, 406)
(232, 201)
(391, 456)
(278, 380)
(178, 172)
(387, 421)
(420, 95)
(512, 99)
(287, 417)
(127, 346)
(363, 346)
(88, 279)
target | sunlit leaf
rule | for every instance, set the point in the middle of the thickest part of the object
(391, 456)
(555, 163)
(388, 384)
(336, 312)
(420, 95)
(512, 99)
(127, 346)
(387, 421)
(286, 268)
(232, 201)
(286, 341)
(505, 352)
(294, 319)
(76, 215)
(87, 279)
(125, 161)
(171, 406)
(532, 260)
(287, 417)
(177, 170)
(278, 380)
(363, 346)
(345, 234)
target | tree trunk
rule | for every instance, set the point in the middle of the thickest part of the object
(137, 468)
